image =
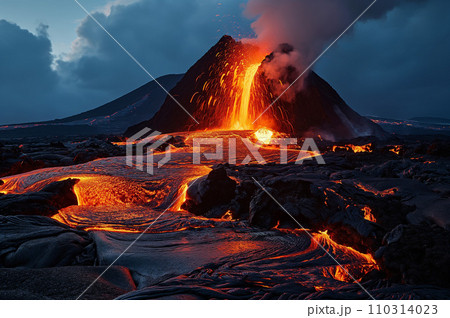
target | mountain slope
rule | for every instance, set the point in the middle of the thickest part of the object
(111, 118)
(138, 95)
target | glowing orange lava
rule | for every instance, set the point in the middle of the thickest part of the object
(107, 191)
(241, 116)
(264, 135)
(234, 92)
(366, 261)
(228, 216)
(183, 190)
(368, 188)
(354, 148)
(368, 214)
(396, 149)
(182, 197)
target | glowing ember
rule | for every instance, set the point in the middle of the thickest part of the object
(182, 197)
(277, 225)
(228, 216)
(368, 214)
(264, 135)
(354, 148)
(368, 188)
(396, 149)
(325, 239)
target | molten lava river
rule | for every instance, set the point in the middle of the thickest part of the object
(192, 256)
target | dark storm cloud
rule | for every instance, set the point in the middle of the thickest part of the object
(30, 89)
(165, 36)
(398, 66)
(378, 10)
(26, 77)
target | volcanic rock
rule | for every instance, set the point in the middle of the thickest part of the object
(23, 164)
(240, 206)
(316, 108)
(46, 202)
(354, 215)
(30, 155)
(65, 283)
(38, 242)
(264, 211)
(213, 191)
(417, 254)
(93, 149)
(439, 148)
(295, 196)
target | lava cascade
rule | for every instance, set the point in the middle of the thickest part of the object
(228, 96)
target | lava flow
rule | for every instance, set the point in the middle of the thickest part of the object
(368, 214)
(353, 148)
(242, 115)
(346, 273)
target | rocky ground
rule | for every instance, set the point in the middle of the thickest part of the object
(23, 155)
(390, 201)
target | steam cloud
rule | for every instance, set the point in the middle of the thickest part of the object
(307, 25)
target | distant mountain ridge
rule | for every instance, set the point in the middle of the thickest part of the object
(167, 81)
(432, 120)
(111, 118)
(414, 126)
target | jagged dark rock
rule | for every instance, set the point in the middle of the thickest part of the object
(295, 196)
(29, 155)
(417, 254)
(92, 149)
(64, 283)
(38, 242)
(213, 191)
(45, 202)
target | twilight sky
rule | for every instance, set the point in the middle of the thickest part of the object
(55, 62)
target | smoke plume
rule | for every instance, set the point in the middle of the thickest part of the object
(308, 25)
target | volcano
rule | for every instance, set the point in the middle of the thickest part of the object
(229, 88)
